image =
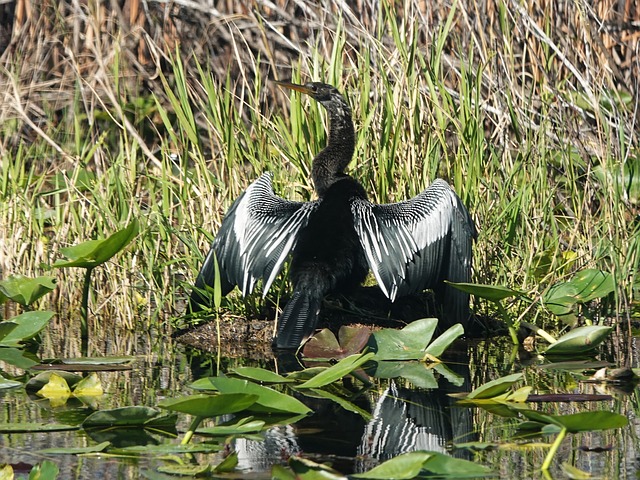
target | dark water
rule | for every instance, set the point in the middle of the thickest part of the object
(398, 417)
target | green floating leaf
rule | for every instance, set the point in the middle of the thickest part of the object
(17, 427)
(451, 376)
(409, 465)
(88, 364)
(418, 373)
(579, 340)
(7, 383)
(575, 365)
(404, 466)
(210, 405)
(228, 464)
(25, 290)
(259, 375)
(56, 387)
(591, 284)
(307, 470)
(167, 449)
(476, 446)
(410, 343)
(129, 417)
(88, 387)
(18, 358)
(341, 369)
(47, 470)
(244, 426)
(347, 405)
(77, 450)
(94, 360)
(279, 472)
(28, 325)
(493, 293)
(36, 383)
(445, 466)
(186, 470)
(560, 298)
(580, 422)
(496, 387)
(92, 253)
(269, 400)
(6, 328)
(440, 344)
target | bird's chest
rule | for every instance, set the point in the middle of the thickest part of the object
(330, 227)
(330, 235)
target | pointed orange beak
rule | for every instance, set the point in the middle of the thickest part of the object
(296, 87)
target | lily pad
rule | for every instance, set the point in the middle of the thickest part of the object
(586, 285)
(591, 284)
(409, 465)
(341, 401)
(305, 469)
(76, 450)
(55, 388)
(204, 405)
(440, 344)
(405, 466)
(493, 293)
(579, 340)
(229, 463)
(8, 383)
(269, 400)
(18, 357)
(560, 299)
(245, 425)
(115, 360)
(136, 416)
(496, 387)
(88, 387)
(92, 253)
(417, 373)
(17, 427)
(167, 449)
(47, 470)
(28, 325)
(25, 290)
(410, 343)
(259, 375)
(341, 369)
(580, 422)
(39, 381)
(186, 470)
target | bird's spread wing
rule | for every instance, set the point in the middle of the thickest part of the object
(418, 243)
(254, 240)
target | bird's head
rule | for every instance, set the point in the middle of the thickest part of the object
(326, 94)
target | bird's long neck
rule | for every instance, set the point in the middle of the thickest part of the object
(328, 166)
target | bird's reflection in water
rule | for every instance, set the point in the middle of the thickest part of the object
(278, 445)
(402, 420)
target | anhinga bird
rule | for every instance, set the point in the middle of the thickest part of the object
(334, 241)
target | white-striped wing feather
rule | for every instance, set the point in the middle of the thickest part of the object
(256, 236)
(416, 244)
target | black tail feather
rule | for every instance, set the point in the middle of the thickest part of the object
(299, 319)
(453, 305)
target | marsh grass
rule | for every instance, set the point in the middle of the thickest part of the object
(535, 129)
